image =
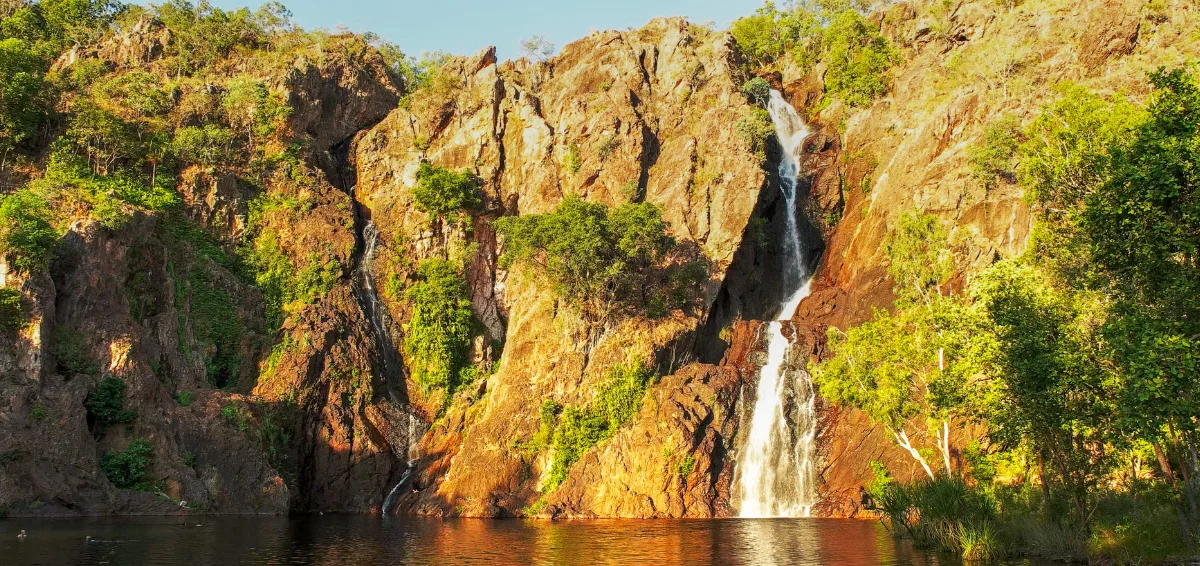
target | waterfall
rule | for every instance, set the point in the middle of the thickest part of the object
(776, 467)
(414, 455)
(376, 313)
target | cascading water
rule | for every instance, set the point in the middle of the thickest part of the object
(414, 454)
(776, 467)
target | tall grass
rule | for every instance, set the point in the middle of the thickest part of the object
(1131, 525)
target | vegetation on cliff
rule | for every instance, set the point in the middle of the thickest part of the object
(1082, 358)
(833, 35)
(605, 261)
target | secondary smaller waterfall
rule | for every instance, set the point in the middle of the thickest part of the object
(415, 431)
(776, 467)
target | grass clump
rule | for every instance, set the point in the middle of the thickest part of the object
(71, 354)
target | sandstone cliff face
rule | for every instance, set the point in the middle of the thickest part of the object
(323, 414)
(649, 115)
(963, 68)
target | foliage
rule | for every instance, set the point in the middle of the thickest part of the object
(438, 336)
(254, 110)
(217, 326)
(208, 145)
(602, 260)
(572, 161)
(918, 257)
(581, 428)
(991, 158)
(127, 469)
(106, 404)
(755, 126)
(71, 353)
(22, 91)
(537, 48)
(769, 33)
(758, 90)
(25, 230)
(858, 59)
(443, 193)
(184, 398)
(11, 315)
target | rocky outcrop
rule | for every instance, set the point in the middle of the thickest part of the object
(646, 116)
(963, 68)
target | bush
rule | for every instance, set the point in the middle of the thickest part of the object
(71, 353)
(11, 315)
(210, 145)
(755, 126)
(602, 260)
(438, 337)
(106, 405)
(758, 90)
(21, 92)
(579, 429)
(991, 158)
(443, 193)
(127, 469)
(184, 398)
(25, 230)
(573, 161)
(858, 59)
(769, 33)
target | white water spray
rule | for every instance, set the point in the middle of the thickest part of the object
(777, 468)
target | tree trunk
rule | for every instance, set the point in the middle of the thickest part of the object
(902, 440)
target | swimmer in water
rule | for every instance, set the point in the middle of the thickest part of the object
(21, 535)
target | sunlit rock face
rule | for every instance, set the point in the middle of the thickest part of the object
(644, 115)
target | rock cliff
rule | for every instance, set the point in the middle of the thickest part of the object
(320, 412)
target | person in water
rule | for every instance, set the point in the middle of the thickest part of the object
(21, 535)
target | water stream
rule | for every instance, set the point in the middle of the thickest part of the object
(776, 467)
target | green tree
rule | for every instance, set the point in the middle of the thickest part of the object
(769, 33)
(254, 110)
(598, 259)
(445, 194)
(857, 59)
(991, 158)
(919, 365)
(106, 404)
(21, 93)
(26, 234)
(438, 337)
(1052, 377)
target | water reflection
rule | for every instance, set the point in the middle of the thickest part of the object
(344, 540)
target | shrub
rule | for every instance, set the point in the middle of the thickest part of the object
(439, 335)
(184, 398)
(38, 413)
(991, 158)
(25, 230)
(572, 160)
(443, 193)
(11, 315)
(71, 353)
(210, 145)
(858, 59)
(579, 429)
(127, 469)
(769, 33)
(758, 90)
(106, 405)
(21, 92)
(602, 260)
(755, 126)
(254, 110)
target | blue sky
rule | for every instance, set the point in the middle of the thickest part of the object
(466, 26)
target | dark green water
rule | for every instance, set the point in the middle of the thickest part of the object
(353, 540)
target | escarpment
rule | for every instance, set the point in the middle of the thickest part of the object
(264, 333)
